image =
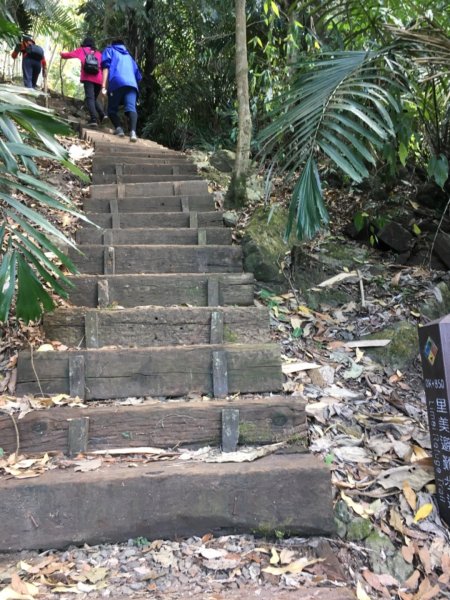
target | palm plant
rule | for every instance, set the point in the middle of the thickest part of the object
(340, 105)
(29, 254)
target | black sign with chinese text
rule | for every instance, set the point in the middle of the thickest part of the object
(434, 341)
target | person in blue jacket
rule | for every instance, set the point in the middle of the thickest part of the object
(121, 77)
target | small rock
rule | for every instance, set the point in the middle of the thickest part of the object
(223, 160)
(230, 218)
(137, 586)
(395, 237)
(358, 529)
(342, 512)
(322, 377)
(341, 528)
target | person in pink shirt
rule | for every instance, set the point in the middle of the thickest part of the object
(92, 81)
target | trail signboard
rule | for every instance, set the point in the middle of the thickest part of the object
(434, 342)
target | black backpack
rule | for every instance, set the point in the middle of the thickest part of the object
(34, 51)
(91, 65)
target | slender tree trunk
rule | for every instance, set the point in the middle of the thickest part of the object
(237, 192)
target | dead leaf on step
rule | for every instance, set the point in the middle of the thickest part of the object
(295, 567)
(410, 495)
(361, 593)
(413, 474)
(84, 466)
(275, 558)
(23, 587)
(211, 553)
(423, 512)
(286, 556)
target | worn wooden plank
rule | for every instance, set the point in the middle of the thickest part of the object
(149, 236)
(193, 220)
(91, 330)
(108, 253)
(166, 371)
(218, 327)
(77, 435)
(114, 209)
(214, 291)
(119, 154)
(167, 500)
(157, 259)
(76, 379)
(164, 424)
(230, 429)
(101, 297)
(142, 204)
(156, 168)
(157, 326)
(111, 178)
(156, 220)
(220, 374)
(202, 237)
(163, 290)
(134, 190)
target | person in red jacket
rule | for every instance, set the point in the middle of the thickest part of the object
(33, 60)
(92, 81)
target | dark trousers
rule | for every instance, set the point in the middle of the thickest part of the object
(31, 69)
(127, 97)
(91, 92)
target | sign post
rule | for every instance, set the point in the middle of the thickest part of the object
(434, 342)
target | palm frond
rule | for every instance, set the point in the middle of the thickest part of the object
(337, 106)
(29, 259)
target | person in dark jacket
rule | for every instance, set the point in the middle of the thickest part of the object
(92, 82)
(32, 62)
(121, 77)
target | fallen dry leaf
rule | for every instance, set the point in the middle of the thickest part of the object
(294, 567)
(423, 512)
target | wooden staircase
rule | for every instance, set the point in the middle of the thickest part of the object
(161, 309)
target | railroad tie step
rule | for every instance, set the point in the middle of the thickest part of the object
(279, 493)
(194, 289)
(260, 420)
(111, 260)
(153, 220)
(157, 326)
(105, 373)
(118, 202)
(155, 188)
(155, 236)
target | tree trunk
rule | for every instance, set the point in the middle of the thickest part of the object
(237, 192)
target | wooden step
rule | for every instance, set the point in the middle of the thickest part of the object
(111, 260)
(128, 220)
(186, 204)
(100, 179)
(156, 326)
(160, 424)
(160, 236)
(288, 493)
(156, 166)
(194, 289)
(117, 153)
(146, 190)
(109, 373)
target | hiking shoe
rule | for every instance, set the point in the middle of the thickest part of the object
(133, 136)
(92, 124)
(119, 131)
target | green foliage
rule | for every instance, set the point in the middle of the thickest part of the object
(341, 106)
(438, 169)
(30, 259)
